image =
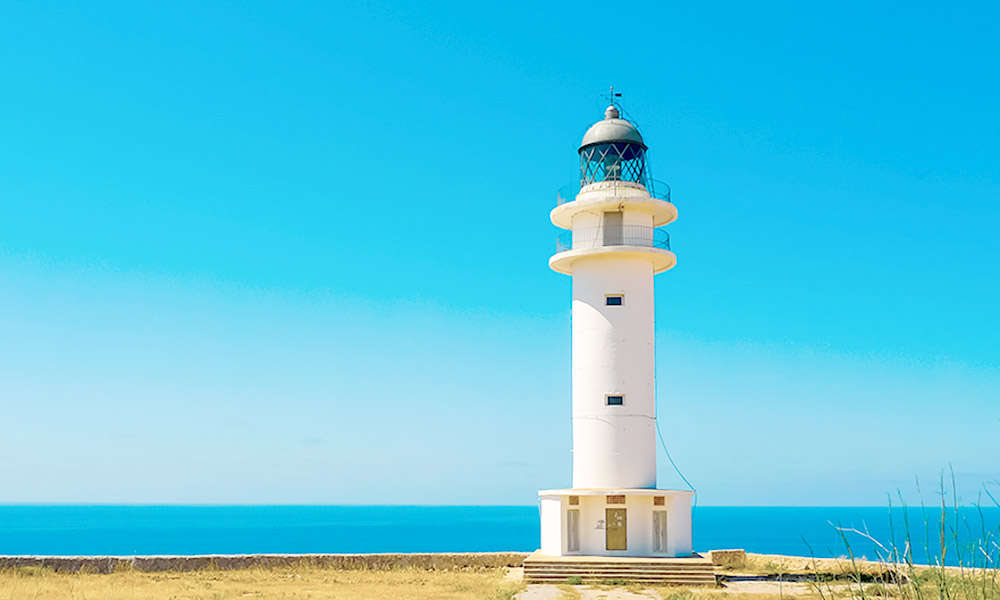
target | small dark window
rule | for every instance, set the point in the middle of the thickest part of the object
(614, 299)
(616, 400)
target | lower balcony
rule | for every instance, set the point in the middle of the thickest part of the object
(651, 243)
(622, 235)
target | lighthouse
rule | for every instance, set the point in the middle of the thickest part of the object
(613, 246)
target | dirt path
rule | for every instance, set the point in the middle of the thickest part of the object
(548, 591)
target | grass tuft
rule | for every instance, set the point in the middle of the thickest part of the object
(505, 592)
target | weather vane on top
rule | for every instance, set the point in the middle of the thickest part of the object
(612, 95)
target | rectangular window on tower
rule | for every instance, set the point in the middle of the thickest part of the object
(615, 400)
(614, 299)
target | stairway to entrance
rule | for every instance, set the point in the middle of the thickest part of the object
(692, 570)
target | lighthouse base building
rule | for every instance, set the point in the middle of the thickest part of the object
(635, 522)
(614, 522)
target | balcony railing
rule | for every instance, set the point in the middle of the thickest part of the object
(657, 189)
(622, 235)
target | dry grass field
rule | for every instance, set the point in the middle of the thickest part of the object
(833, 579)
(306, 581)
(298, 582)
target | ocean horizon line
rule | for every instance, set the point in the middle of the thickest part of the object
(437, 505)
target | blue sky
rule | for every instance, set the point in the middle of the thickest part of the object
(297, 252)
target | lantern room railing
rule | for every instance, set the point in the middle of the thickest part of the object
(621, 235)
(657, 189)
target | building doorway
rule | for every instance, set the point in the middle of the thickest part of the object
(615, 522)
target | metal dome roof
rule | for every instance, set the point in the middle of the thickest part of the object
(611, 129)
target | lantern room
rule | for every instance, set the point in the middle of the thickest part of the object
(613, 150)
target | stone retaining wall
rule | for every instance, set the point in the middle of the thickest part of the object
(108, 564)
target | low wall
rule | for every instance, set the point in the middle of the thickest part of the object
(108, 564)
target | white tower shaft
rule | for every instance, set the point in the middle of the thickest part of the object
(615, 253)
(614, 445)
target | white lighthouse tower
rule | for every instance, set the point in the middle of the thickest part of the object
(613, 247)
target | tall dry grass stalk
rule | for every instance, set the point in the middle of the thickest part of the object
(974, 574)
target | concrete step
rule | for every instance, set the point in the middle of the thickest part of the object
(588, 579)
(550, 574)
(615, 570)
(695, 570)
(666, 579)
(612, 561)
(617, 573)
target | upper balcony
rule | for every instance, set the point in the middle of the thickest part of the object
(652, 198)
(654, 187)
(639, 241)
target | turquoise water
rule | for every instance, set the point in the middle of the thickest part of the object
(126, 530)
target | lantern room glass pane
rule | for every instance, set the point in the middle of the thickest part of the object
(614, 161)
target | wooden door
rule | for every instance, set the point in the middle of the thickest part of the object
(615, 529)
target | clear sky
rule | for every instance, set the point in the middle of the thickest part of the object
(296, 252)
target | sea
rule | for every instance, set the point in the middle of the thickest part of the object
(96, 530)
